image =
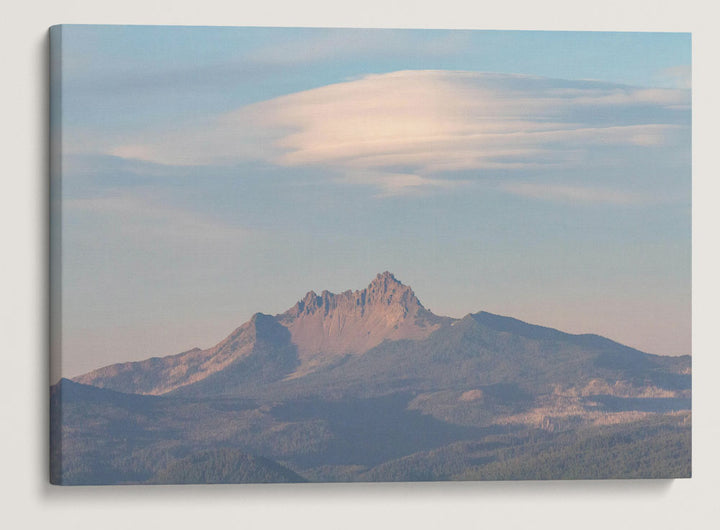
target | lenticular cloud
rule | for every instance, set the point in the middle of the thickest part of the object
(429, 124)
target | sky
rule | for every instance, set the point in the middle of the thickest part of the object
(211, 173)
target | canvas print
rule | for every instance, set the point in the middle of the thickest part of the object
(341, 255)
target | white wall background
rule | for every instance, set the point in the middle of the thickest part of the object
(26, 499)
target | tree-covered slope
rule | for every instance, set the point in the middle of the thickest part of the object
(225, 466)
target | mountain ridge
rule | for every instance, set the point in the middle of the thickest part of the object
(321, 329)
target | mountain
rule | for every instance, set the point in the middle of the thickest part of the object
(370, 385)
(317, 331)
(328, 325)
(478, 352)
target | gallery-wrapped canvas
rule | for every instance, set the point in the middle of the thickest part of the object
(336, 255)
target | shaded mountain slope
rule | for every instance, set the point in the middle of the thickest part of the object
(470, 354)
(258, 351)
(111, 438)
(652, 448)
(225, 466)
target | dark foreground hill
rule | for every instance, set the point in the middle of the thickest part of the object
(369, 385)
(225, 466)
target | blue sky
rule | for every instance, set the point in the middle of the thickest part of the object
(209, 173)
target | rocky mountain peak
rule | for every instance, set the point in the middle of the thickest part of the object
(314, 332)
(384, 290)
(355, 321)
(385, 279)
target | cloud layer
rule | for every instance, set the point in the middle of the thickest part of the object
(411, 130)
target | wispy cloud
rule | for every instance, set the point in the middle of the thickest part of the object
(403, 130)
(573, 194)
(396, 184)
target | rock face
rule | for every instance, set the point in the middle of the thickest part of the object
(318, 330)
(327, 325)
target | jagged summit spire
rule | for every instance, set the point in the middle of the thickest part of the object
(355, 321)
(385, 289)
(385, 279)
